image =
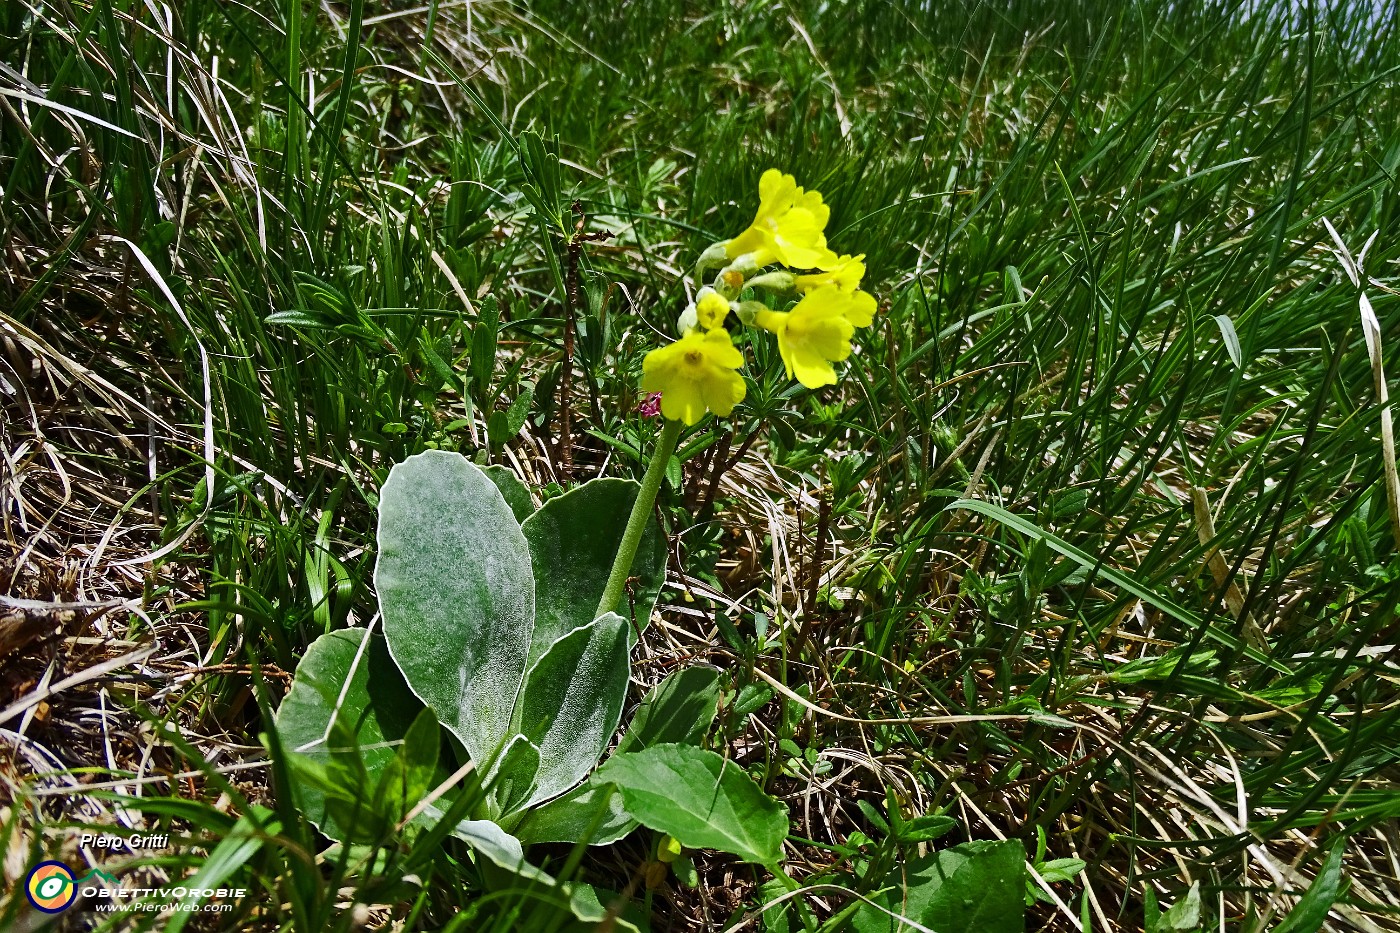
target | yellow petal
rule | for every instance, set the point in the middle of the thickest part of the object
(775, 321)
(830, 338)
(776, 193)
(695, 374)
(812, 203)
(860, 310)
(788, 226)
(723, 390)
(656, 364)
(683, 401)
(798, 239)
(753, 240)
(845, 274)
(813, 335)
(813, 371)
(721, 350)
(797, 255)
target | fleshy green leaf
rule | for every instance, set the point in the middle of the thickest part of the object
(573, 540)
(519, 409)
(456, 592)
(593, 909)
(359, 685)
(512, 490)
(572, 701)
(485, 336)
(1060, 869)
(677, 710)
(783, 913)
(439, 366)
(512, 778)
(699, 798)
(976, 887)
(590, 813)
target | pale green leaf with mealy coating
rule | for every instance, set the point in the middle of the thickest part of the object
(357, 682)
(516, 494)
(590, 813)
(511, 779)
(457, 594)
(572, 700)
(573, 540)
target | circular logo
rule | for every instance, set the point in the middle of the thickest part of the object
(51, 887)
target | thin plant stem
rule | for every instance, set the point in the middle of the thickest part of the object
(637, 521)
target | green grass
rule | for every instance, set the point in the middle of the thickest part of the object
(1097, 231)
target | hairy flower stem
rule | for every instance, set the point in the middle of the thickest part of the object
(637, 521)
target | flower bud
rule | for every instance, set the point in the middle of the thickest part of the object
(711, 308)
(668, 849)
(778, 281)
(748, 312)
(714, 256)
(746, 265)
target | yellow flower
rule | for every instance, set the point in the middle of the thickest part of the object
(845, 273)
(710, 308)
(817, 332)
(859, 308)
(694, 375)
(788, 227)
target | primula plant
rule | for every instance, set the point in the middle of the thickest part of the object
(499, 679)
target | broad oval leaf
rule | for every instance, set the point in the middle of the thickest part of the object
(699, 798)
(456, 593)
(976, 887)
(572, 701)
(350, 676)
(591, 813)
(678, 710)
(515, 493)
(573, 540)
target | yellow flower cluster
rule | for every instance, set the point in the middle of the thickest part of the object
(699, 372)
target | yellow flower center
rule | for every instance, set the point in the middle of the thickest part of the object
(800, 327)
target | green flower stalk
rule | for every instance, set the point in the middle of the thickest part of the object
(637, 521)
